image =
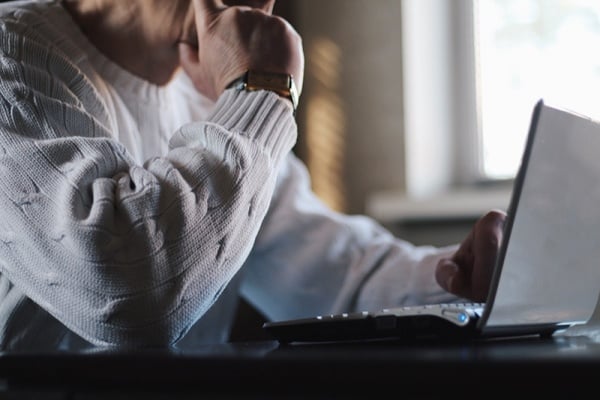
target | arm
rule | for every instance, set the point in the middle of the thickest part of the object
(122, 253)
(309, 260)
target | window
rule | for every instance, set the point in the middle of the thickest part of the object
(526, 50)
(473, 71)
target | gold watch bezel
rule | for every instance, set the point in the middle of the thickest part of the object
(282, 84)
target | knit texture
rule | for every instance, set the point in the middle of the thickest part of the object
(120, 252)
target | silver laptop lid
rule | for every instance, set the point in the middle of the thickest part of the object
(549, 266)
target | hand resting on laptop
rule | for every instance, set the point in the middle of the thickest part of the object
(469, 271)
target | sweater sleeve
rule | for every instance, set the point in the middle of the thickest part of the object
(317, 261)
(125, 254)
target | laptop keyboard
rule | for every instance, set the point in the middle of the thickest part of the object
(432, 320)
(457, 313)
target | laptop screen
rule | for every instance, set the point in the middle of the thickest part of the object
(550, 260)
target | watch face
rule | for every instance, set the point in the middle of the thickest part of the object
(275, 82)
(282, 84)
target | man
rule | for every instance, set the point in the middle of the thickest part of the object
(141, 194)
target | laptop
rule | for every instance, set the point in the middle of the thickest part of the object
(547, 273)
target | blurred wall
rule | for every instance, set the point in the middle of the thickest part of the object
(350, 114)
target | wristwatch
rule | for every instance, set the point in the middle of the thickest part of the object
(282, 84)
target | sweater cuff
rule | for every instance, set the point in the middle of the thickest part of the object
(259, 115)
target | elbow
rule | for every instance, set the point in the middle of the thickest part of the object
(159, 334)
(136, 324)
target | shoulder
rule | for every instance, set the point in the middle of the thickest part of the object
(48, 85)
(28, 16)
(31, 27)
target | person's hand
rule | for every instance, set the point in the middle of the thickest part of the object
(468, 272)
(236, 36)
(266, 5)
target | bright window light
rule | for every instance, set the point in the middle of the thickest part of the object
(527, 50)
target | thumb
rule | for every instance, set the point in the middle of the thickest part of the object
(445, 273)
(452, 279)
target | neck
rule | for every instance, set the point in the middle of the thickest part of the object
(139, 35)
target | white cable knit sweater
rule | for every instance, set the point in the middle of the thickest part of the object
(127, 209)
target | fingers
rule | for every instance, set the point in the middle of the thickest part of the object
(206, 11)
(444, 274)
(468, 272)
(452, 278)
(265, 5)
(225, 50)
(209, 7)
(488, 237)
(493, 219)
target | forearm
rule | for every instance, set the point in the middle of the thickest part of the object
(317, 261)
(125, 254)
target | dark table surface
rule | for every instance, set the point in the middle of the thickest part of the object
(265, 369)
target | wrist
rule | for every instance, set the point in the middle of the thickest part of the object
(282, 84)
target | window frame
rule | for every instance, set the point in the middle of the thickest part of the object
(442, 119)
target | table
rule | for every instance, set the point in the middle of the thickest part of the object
(266, 370)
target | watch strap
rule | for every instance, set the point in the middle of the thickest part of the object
(282, 84)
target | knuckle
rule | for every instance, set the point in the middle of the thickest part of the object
(489, 229)
(276, 26)
(493, 241)
(492, 220)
